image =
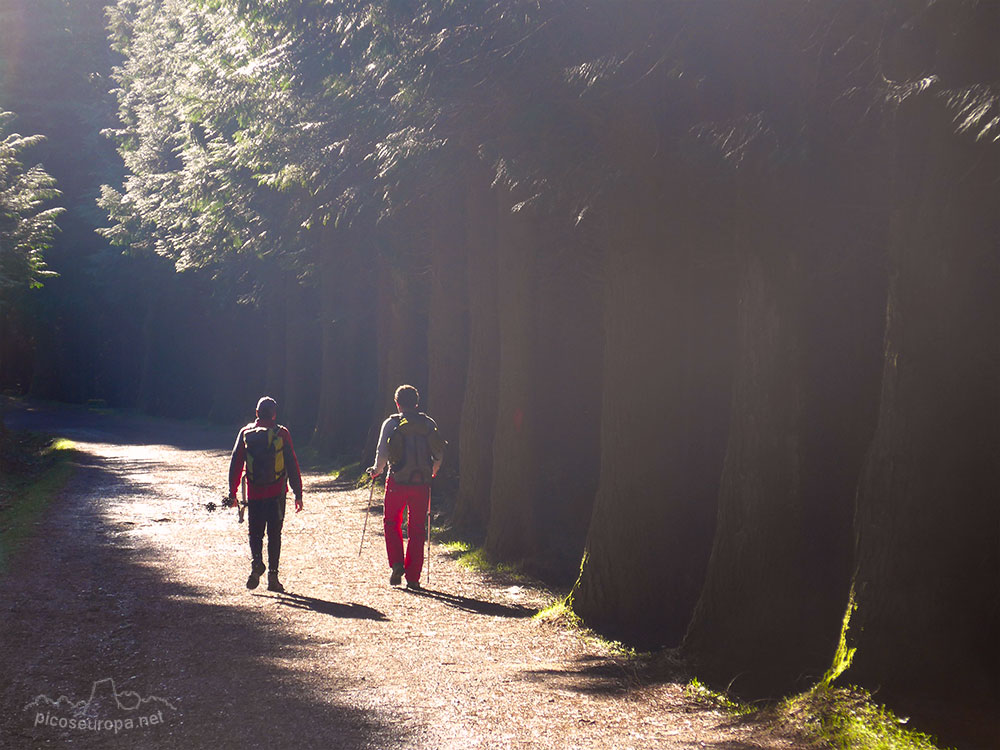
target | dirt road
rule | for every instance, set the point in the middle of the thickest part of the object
(126, 623)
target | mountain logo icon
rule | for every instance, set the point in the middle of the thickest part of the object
(104, 697)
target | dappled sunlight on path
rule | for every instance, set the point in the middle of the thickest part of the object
(132, 577)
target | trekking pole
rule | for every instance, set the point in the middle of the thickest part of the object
(368, 510)
(243, 499)
(428, 535)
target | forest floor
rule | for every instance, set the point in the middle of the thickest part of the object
(128, 605)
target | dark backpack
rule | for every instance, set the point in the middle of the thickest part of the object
(265, 455)
(413, 446)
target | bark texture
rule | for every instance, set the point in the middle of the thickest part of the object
(479, 408)
(569, 379)
(928, 568)
(512, 533)
(668, 333)
(768, 619)
(447, 325)
(303, 362)
(401, 324)
(342, 333)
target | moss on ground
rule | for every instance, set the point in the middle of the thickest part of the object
(475, 559)
(849, 719)
(559, 612)
(825, 718)
(35, 469)
(701, 693)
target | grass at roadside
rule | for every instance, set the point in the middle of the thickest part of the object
(474, 558)
(822, 718)
(849, 719)
(35, 469)
(349, 472)
(825, 718)
(560, 613)
(701, 693)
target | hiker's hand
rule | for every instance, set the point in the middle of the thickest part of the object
(298, 504)
(372, 472)
(231, 501)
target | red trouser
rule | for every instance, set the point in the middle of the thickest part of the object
(416, 497)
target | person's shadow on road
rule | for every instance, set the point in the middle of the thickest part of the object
(324, 607)
(477, 606)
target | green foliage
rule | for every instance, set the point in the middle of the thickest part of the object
(456, 548)
(35, 469)
(351, 470)
(295, 116)
(559, 612)
(475, 559)
(844, 655)
(848, 719)
(235, 143)
(291, 116)
(256, 134)
(703, 694)
(844, 719)
(26, 225)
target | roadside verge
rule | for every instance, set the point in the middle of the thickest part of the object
(33, 470)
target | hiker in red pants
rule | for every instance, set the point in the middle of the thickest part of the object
(412, 447)
(265, 448)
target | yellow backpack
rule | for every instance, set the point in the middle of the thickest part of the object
(265, 455)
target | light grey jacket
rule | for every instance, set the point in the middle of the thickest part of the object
(382, 451)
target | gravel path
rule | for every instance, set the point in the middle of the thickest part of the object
(130, 604)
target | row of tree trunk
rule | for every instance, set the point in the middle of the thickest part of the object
(760, 413)
(738, 408)
(747, 412)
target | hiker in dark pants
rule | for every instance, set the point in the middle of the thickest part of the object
(411, 446)
(265, 448)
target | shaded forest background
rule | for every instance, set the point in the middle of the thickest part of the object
(704, 294)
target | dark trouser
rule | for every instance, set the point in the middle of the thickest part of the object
(266, 515)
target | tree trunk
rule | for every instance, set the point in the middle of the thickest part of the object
(803, 409)
(333, 382)
(927, 584)
(144, 389)
(447, 326)
(668, 327)
(754, 593)
(275, 319)
(479, 408)
(231, 395)
(344, 312)
(569, 371)
(401, 323)
(303, 358)
(511, 534)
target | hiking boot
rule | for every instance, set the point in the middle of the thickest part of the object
(273, 584)
(414, 586)
(256, 571)
(397, 575)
